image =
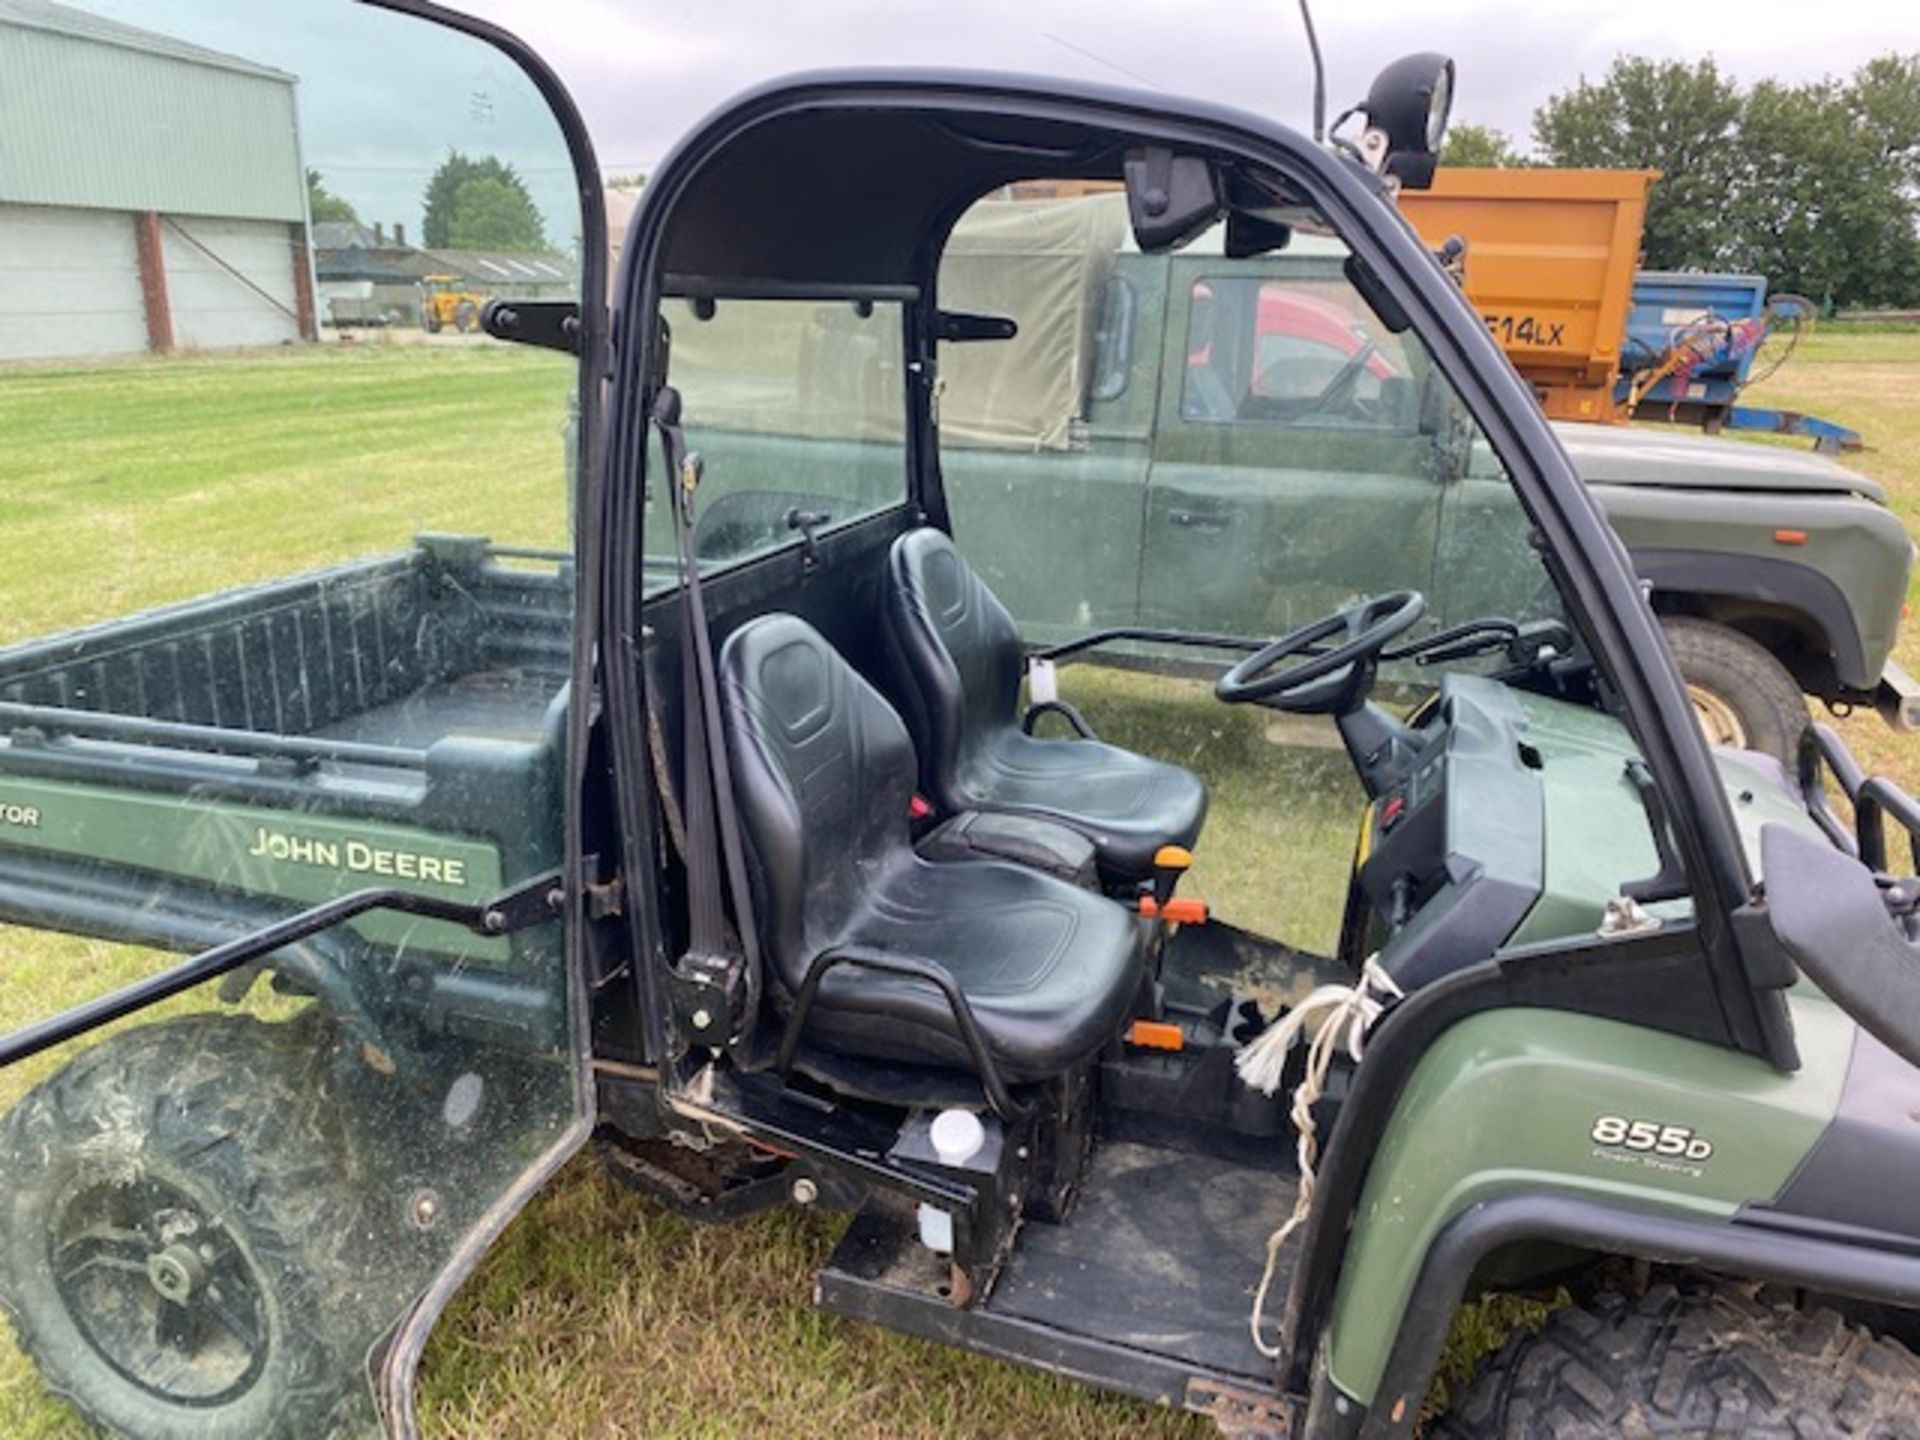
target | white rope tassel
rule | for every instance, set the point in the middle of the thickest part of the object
(1348, 1012)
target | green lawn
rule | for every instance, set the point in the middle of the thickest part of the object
(141, 483)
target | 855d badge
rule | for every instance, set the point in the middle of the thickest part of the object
(1652, 1143)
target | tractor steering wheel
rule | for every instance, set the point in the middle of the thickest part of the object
(1330, 680)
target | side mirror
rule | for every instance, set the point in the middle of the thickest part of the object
(1171, 198)
(1831, 915)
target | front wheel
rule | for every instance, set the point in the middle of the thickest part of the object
(1683, 1363)
(1743, 697)
(170, 1200)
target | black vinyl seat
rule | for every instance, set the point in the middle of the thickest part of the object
(824, 775)
(960, 659)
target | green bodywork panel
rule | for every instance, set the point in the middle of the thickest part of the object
(1671, 459)
(1507, 1101)
(1597, 836)
(301, 858)
(1857, 547)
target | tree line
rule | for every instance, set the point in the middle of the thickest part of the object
(1816, 185)
(471, 203)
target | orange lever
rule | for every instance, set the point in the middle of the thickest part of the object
(1156, 1035)
(1181, 910)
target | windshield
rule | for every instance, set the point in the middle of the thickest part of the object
(291, 621)
(1209, 445)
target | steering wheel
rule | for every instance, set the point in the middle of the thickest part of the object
(1332, 678)
(1339, 390)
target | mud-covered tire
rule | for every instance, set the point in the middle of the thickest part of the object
(221, 1129)
(1678, 1363)
(1734, 680)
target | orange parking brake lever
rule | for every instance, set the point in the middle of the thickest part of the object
(1170, 862)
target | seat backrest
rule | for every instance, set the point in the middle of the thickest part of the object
(959, 656)
(823, 773)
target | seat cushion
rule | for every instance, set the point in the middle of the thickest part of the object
(959, 661)
(1127, 804)
(1049, 970)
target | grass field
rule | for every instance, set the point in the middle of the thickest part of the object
(137, 484)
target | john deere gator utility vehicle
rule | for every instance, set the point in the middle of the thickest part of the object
(721, 835)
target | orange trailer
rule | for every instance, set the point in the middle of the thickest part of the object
(1550, 261)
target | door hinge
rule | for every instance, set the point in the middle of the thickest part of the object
(605, 898)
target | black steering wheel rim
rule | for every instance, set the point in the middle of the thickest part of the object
(1344, 381)
(1327, 680)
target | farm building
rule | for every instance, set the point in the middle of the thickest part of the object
(369, 277)
(365, 279)
(151, 192)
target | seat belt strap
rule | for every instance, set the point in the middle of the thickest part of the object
(709, 813)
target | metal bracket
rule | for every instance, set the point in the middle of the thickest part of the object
(806, 522)
(1241, 1413)
(707, 992)
(548, 324)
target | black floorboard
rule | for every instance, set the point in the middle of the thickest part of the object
(1162, 1253)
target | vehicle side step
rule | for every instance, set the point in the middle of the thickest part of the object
(1143, 1290)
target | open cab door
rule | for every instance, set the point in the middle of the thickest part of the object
(291, 1011)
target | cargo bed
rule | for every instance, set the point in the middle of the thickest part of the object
(189, 772)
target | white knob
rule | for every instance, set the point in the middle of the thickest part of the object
(957, 1136)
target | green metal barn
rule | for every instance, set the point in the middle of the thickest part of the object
(117, 234)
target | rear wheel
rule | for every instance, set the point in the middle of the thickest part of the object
(1709, 1360)
(1742, 696)
(466, 317)
(166, 1228)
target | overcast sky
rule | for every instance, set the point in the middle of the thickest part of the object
(643, 70)
(382, 98)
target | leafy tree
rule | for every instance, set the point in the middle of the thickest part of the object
(1816, 186)
(501, 210)
(1478, 145)
(1817, 211)
(1886, 95)
(323, 204)
(636, 181)
(1665, 115)
(489, 214)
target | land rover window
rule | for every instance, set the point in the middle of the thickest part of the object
(1300, 351)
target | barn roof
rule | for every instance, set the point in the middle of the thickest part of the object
(85, 25)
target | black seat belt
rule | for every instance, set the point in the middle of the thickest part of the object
(709, 812)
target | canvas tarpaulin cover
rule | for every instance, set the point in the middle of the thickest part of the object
(811, 368)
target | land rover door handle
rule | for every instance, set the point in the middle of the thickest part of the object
(1200, 519)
